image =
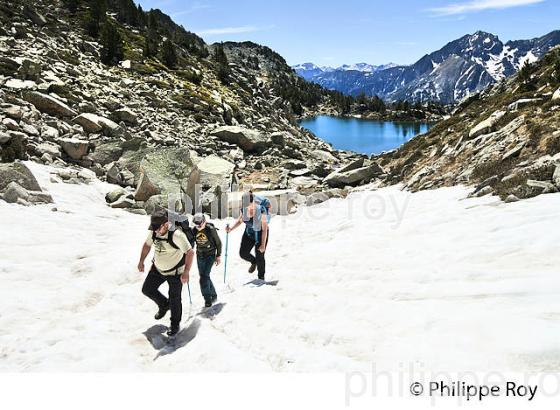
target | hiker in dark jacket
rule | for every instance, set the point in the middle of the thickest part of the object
(208, 253)
(255, 216)
(173, 257)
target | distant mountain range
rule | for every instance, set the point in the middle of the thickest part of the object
(459, 69)
(309, 70)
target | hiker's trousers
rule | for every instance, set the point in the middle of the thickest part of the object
(248, 242)
(151, 289)
(205, 264)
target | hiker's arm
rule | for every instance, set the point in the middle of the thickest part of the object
(236, 224)
(188, 263)
(217, 242)
(143, 254)
(264, 235)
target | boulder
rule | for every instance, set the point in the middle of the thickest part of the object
(556, 95)
(16, 84)
(354, 176)
(89, 122)
(514, 106)
(49, 105)
(122, 203)
(155, 202)
(15, 147)
(209, 178)
(248, 140)
(486, 126)
(168, 169)
(145, 189)
(34, 15)
(19, 173)
(75, 148)
(126, 115)
(511, 198)
(13, 111)
(556, 176)
(110, 128)
(115, 194)
(30, 70)
(8, 66)
(15, 192)
(278, 138)
(323, 156)
(546, 186)
(106, 153)
(48, 148)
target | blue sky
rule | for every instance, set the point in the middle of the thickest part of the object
(330, 32)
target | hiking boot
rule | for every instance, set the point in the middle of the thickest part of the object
(252, 268)
(161, 312)
(173, 330)
(208, 303)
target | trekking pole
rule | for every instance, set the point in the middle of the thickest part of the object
(225, 259)
(189, 288)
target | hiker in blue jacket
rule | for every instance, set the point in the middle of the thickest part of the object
(255, 215)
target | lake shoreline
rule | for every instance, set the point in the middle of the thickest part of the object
(363, 135)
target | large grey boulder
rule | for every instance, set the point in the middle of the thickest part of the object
(353, 177)
(8, 66)
(49, 105)
(15, 192)
(248, 140)
(486, 126)
(209, 179)
(75, 148)
(167, 168)
(145, 189)
(89, 122)
(324, 156)
(17, 172)
(106, 153)
(126, 115)
(34, 15)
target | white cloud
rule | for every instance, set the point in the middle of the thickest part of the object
(231, 30)
(194, 8)
(480, 5)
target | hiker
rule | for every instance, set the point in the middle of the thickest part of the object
(208, 253)
(255, 214)
(172, 262)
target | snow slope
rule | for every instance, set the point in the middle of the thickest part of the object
(455, 285)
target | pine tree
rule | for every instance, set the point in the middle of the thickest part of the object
(220, 55)
(168, 54)
(151, 43)
(96, 16)
(525, 74)
(112, 44)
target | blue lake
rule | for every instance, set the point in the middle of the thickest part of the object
(363, 136)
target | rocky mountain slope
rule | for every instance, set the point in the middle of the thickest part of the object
(505, 141)
(459, 69)
(152, 129)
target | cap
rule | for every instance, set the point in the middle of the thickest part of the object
(199, 219)
(157, 219)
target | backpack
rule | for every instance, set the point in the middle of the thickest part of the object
(184, 226)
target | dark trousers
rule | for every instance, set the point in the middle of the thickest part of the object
(205, 264)
(248, 242)
(150, 288)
